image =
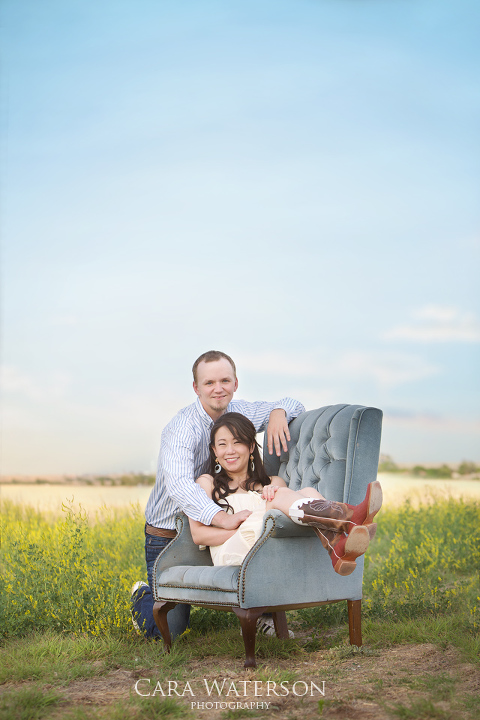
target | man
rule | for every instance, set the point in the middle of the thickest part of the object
(184, 456)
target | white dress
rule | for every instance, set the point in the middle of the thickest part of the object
(235, 548)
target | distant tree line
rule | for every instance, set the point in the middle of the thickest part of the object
(467, 467)
(128, 479)
(386, 465)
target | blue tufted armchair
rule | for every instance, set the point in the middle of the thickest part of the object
(334, 449)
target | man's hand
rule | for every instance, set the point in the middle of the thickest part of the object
(277, 431)
(227, 521)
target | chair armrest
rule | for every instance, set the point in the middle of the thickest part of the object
(182, 550)
(288, 565)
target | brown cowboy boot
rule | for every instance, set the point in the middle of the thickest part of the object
(326, 524)
(342, 517)
(344, 549)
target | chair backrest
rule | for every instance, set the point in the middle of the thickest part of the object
(334, 449)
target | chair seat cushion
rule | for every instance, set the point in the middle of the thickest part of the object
(201, 577)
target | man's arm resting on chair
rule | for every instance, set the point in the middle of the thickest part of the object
(223, 524)
(208, 535)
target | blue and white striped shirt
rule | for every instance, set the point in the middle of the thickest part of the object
(184, 456)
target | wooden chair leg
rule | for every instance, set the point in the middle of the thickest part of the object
(355, 622)
(248, 621)
(160, 610)
(280, 624)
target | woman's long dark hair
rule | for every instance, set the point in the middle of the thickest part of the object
(244, 431)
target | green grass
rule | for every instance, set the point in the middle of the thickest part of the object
(421, 581)
(27, 704)
(147, 709)
(425, 561)
(68, 574)
(72, 575)
(64, 611)
(421, 709)
(60, 658)
(34, 704)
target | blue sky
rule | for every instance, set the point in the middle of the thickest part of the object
(295, 182)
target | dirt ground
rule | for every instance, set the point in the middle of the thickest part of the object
(427, 681)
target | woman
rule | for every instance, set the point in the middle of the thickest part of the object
(238, 481)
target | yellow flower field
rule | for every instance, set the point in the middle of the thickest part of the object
(73, 573)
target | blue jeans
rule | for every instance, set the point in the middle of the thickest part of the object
(142, 600)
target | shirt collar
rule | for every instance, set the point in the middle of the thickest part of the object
(204, 416)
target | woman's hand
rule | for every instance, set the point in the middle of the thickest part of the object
(268, 492)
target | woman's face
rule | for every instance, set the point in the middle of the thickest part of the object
(233, 455)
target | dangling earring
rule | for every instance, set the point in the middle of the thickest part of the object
(218, 467)
(252, 464)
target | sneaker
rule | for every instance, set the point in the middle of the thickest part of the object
(136, 586)
(266, 627)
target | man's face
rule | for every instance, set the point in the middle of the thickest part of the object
(215, 386)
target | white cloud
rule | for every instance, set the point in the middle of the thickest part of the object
(388, 369)
(411, 437)
(438, 323)
(431, 421)
(15, 382)
(285, 364)
(385, 368)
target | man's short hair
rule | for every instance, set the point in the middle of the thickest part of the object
(212, 356)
